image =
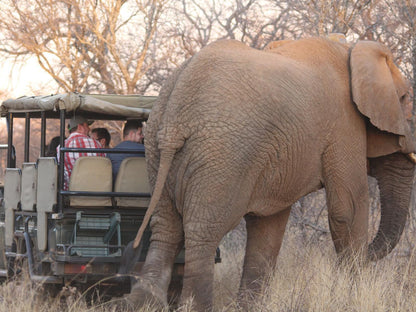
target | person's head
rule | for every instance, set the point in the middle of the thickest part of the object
(53, 144)
(101, 135)
(79, 124)
(132, 131)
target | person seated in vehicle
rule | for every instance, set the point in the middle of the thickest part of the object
(101, 135)
(79, 128)
(52, 147)
(132, 139)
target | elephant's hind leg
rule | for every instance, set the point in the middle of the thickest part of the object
(264, 239)
(167, 240)
(198, 279)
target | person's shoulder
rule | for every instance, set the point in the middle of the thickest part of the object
(77, 136)
(120, 145)
(130, 145)
(135, 145)
(141, 146)
(71, 136)
(71, 139)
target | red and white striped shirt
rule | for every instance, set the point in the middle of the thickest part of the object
(77, 140)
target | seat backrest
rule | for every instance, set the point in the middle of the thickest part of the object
(12, 190)
(132, 177)
(46, 196)
(47, 183)
(91, 173)
(28, 196)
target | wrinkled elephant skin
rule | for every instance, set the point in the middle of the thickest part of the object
(238, 132)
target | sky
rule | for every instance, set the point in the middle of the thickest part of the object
(26, 79)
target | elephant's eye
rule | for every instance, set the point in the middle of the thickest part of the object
(403, 97)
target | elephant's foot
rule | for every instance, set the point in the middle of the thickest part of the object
(145, 293)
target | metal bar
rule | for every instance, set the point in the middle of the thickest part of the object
(69, 247)
(9, 120)
(103, 150)
(43, 133)
(105, 194)
(34, 277)
(27, 137)
(61, 161)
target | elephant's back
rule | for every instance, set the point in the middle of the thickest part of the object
(245, 108)
(229, 89)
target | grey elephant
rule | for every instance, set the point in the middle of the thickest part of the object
(243, 133)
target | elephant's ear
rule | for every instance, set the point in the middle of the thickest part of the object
(379, 91)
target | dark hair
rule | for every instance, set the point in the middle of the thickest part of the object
(102, 133)
(53, 144)
(72, 130)
(131, 125)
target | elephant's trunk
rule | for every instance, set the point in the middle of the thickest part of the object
(394, 174)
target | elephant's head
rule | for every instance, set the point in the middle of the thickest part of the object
(381, 95)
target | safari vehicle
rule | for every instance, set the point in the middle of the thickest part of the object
(74, 236)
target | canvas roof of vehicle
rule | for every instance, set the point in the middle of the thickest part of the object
(127, 106)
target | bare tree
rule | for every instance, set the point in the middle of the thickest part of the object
(321, 17)
(85, 45)
(253, 22)
(399, 29)
(3, 95)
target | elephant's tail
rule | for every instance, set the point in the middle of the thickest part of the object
(166, 157)
(170, 138)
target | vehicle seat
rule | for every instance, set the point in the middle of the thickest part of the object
(29, 186)
(46, 196)
(12, 190)
(91, 173)
(132, 177)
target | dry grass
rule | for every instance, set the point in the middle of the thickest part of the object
(307, 277)
(312, 281)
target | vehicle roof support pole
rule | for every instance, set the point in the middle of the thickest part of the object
(9, 120)
(27, 137)
(43, 133)
(61, 161)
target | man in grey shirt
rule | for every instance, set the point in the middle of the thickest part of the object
(132, 140)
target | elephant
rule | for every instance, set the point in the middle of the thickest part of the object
(238, 132)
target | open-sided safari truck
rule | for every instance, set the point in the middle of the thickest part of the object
(78, 235)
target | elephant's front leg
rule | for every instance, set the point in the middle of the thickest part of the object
(264, 239)
(166, 241)
(346, 185)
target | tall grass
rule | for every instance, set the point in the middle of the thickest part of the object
(311, 279)
(307, 276)
(305, 279)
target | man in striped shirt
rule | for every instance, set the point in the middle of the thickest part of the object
(79, 128)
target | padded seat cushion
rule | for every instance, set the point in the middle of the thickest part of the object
(132, 177)
(91, 173)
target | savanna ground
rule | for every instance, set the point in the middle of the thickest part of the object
(307, 277)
